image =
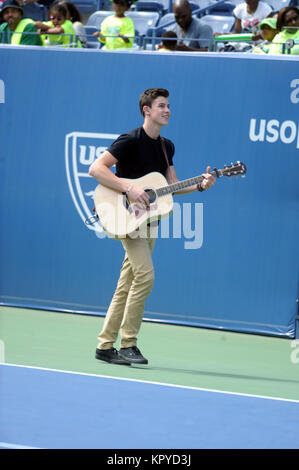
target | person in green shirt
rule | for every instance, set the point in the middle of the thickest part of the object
(15, 30)
(74, 15)
(268, 30)
(288, 25)
(117, 31)
(58, 31)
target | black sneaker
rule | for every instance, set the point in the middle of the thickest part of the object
(133, 355)
(111, 355)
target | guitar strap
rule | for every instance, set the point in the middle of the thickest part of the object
(164, 150)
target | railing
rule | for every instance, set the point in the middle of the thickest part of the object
(73, 39)
(290, 43)
(141, 42)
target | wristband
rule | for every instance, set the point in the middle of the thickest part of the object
(129, 189)
(199, 188)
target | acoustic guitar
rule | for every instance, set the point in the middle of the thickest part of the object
(120, 217)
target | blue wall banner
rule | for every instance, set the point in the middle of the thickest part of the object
(227, 258)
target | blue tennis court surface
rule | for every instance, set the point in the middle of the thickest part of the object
(44, 408)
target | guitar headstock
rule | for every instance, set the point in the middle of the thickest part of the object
(233, 169)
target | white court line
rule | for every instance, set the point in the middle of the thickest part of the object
(8, 445)
(153, 383)
(2, 351)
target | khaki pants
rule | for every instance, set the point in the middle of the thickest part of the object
(134, 285)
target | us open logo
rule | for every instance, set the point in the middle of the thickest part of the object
(81, 149)
(2, 91)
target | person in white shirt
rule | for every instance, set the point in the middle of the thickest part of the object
(249, 15)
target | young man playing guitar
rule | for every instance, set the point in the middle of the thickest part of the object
(136, 154)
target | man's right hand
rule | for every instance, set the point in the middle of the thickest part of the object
(139, 196)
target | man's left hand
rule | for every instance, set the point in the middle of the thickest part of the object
(208, 179)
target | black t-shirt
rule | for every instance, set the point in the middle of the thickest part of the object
(138, 154)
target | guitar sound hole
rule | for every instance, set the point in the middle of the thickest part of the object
(152, 195)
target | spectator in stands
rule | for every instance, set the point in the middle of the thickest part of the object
(74, 16)
(169, 42)
(58, 31)
(195, 35)
(288, 25)
(268, 30)
(15, 29)
(117, 31)
(249, 14)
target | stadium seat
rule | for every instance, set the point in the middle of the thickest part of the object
(97, 17)
(148, 5)
(92, 42)
(194, 5)
(223, 9)
(236, 2)
(163, 21)
(35, 11)
(144, 21)
(219, 23)
(87, 6)
(278, 4)
(169, 17)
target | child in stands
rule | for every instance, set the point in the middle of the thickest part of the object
(169, 41)
(58, 31)
(268, 30)
(117, 31)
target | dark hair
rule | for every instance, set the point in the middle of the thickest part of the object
(61, 9)
(149, 95)
(281, 16)
(272, 14)
(126, 2)
(169, 39)
(73, 11)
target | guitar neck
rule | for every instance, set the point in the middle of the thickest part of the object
(181, 185)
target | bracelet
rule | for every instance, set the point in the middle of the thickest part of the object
(129, 189)
(199, 188)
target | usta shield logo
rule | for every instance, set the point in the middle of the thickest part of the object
(81, 149)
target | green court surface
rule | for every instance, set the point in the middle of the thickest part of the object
(178, 355)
